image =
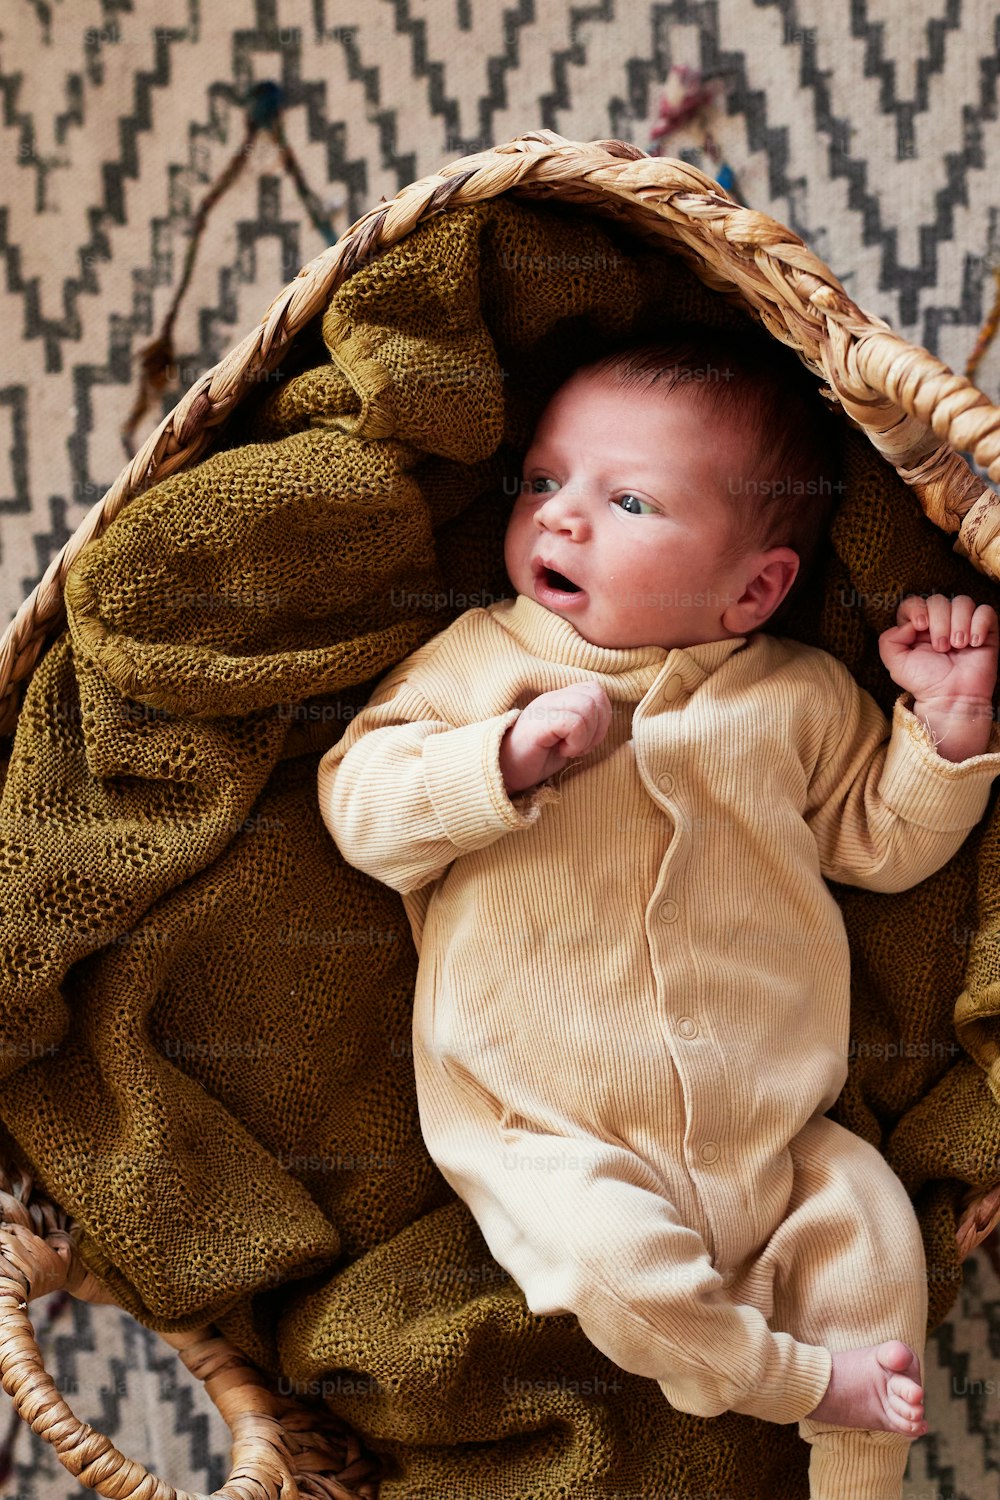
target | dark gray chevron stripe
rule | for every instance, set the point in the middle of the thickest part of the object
(440, 104)
(908, 281)
(206, 1450)
(47, 544)
(446, 106)
(16, 398)
(576, 52)
(89, 378)
(773, 141)
(752, 104)
(44, 13)
(216, 323)
(970, 1393)
(55, 331)
(114, 173)
(68, 1346)
(876, 65)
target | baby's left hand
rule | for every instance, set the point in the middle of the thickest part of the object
(932, 651)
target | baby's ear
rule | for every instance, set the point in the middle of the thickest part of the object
(789, 603)
(772, 585)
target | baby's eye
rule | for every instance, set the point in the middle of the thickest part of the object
(537, 486)
(635, 506)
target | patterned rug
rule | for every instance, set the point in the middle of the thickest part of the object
(871, 129)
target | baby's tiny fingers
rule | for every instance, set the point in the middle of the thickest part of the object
(912, 611)
(578, 735)
(962, 609)
(603, 716)
(597, 709)
(567, 724)
(939, 621)
(983, 629)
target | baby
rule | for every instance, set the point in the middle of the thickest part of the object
(609, 804)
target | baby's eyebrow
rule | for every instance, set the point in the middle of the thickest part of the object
(553, 452)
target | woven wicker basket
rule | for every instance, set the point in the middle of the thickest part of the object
(917, 412)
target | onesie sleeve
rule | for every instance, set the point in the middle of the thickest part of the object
(408, 787)
(886, 810)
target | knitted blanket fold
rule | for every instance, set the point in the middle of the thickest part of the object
(205, 1014)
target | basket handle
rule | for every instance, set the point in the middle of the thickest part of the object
(980, 1217)
(260, 1462)
(263, 1467)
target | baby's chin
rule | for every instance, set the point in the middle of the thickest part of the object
(589, 620)
(589, 623)
(599, 633)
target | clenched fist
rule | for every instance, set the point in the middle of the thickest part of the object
(553, 729)
(944, 652)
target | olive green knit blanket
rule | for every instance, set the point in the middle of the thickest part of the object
(205, 1015)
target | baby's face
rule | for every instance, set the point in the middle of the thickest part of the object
(624, 513)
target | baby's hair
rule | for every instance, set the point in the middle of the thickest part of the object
(792, 480)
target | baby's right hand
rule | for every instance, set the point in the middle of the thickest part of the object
(550, 731)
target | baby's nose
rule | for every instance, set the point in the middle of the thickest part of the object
(562, 510)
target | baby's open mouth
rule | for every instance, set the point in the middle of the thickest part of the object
(559, 581)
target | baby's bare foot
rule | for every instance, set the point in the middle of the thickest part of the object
(877, 1388)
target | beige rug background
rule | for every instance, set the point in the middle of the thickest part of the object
(870, 128)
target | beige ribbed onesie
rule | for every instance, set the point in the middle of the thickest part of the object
(632, 1007)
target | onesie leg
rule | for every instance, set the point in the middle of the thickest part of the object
(848, 1271)
(584, 1226)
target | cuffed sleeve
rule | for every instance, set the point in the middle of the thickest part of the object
(466, 789)
(925, 788)
(404, 792)
(886, 810)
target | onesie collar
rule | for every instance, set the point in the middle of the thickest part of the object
(549, 636)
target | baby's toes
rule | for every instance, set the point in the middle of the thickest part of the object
(905, 1399)
(911, 1422)
(906, 1389)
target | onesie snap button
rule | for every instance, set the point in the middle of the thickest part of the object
(665, 782)
(667, 911)
(687, 1027)
(710, 1151)
(671, 689)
